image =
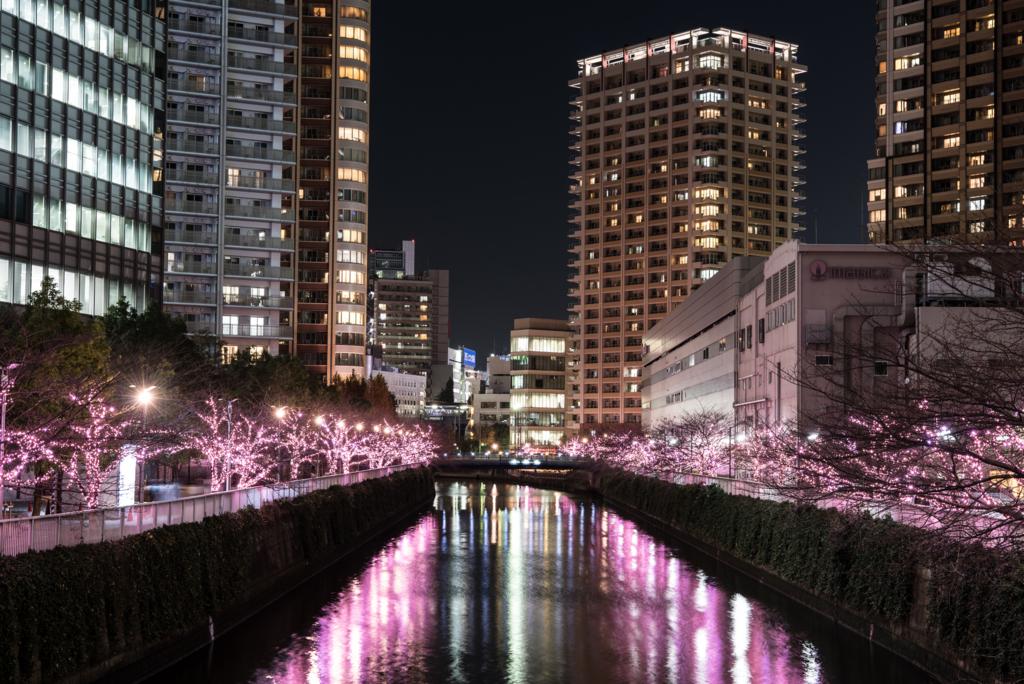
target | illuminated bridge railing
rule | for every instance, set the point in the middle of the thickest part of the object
(40, 533)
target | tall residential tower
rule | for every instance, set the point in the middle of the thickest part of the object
(229, 196)
(334, 136)
(949, 157)
(685, 153)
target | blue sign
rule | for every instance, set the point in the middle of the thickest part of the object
(468, 358)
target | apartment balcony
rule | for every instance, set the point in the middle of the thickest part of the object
(184, 85)
(179, 145)
(191, 267)
(256, 36)
(262, 153)
(206, 28)
(259, 123)
(265, 7)
(265, 213)
(191, 177)
(180, 114)
(262, 95)
(185, 207)
(190, 237)
(250, 330)
(257, 301)
(193, 56)
(254, 183)
(258, 242)
(200, 327)
(256, 271)
(181, 297)
(264, 65)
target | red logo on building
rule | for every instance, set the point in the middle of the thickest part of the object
(819, 270)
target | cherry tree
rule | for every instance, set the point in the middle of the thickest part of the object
(238, 448)
(89, 455)
(338, 442)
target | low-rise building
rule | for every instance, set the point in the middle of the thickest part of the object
(492, 401)
(689, 358)
(775, 341)
(409, 390)
(539, 347)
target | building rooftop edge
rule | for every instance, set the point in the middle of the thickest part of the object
(649, 47)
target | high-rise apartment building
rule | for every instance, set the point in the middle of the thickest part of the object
(949, 157)
(229, 195)
(686, 153)
(81, 136)
(334, 135)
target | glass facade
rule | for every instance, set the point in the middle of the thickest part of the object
(81, 151)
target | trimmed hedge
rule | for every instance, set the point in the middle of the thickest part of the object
(975, 598)
(73, 608)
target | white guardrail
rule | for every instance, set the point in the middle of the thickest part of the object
(39, 533)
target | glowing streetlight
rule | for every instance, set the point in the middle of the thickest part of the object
(319, 420)
(281, 412)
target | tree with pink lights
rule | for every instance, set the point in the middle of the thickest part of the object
(338, 442)
(238, 448)
(89, 454)
(297, 438)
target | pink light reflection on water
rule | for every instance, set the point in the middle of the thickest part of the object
(519, 585)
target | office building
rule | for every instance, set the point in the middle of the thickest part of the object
(686, 154)
(409, 390)
(81, 149)
(334, 137)
(539, 393)
(690, 359)
(230, 192)
(408, 313)
(949, 133)
(787, 335)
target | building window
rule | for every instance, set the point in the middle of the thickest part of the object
(881, 368)
(823, 360)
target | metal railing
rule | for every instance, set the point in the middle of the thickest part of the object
(40, 533)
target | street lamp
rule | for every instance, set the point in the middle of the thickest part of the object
(6, 385)
(281, 412)
(144, 398)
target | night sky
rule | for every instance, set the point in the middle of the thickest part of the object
(470, 133)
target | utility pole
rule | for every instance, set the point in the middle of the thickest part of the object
(227, 464)
(6, 385)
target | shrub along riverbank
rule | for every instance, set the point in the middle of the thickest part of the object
(961, 603)
(78, 612)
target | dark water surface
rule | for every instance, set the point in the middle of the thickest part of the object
(506, 583)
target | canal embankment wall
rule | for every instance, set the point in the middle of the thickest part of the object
(125, 609)
(955, 610)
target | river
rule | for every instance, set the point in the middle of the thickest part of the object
(507, 583)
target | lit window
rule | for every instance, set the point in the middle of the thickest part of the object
(353, 73)
(709, 61)
(907, 62)
(352, 52)
(352, 33)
